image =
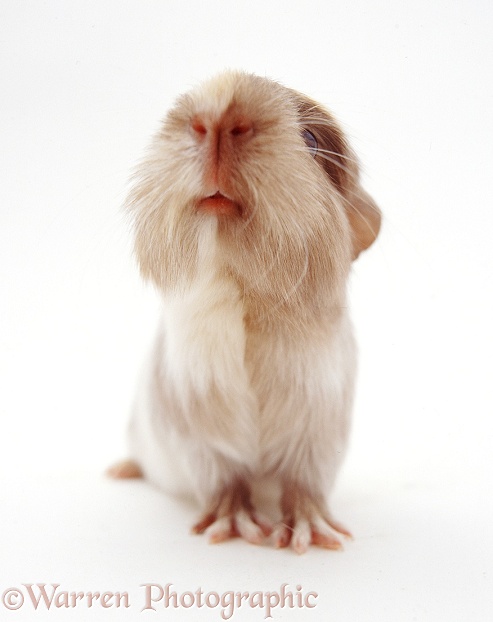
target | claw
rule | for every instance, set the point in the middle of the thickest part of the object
(326, 542)
(306, 521)
(302, 536)
(281, 536)
(220, 530)
(232, 515)
(248, 529)
(203, 524)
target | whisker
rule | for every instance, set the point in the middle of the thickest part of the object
(339, 155)
(254, 207)
(351, 205)
(326, 154)
(329, 157)
(312, 120)
(287, 295)
(274, 255)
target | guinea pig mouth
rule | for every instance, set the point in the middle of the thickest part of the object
(220, 205)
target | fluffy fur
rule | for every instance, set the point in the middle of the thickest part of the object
(253, 368)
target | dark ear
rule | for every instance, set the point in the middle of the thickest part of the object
(364, 219)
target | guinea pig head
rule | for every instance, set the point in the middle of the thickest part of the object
(266, 177)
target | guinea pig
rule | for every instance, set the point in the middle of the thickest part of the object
(247, 214)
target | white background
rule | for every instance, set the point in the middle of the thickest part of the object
(83, 86)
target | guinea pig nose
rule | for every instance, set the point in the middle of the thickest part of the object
(198, 126)
(242, 128)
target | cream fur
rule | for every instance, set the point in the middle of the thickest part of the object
(253, 369)
(244, 403)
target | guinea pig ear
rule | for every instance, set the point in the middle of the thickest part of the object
(364, 219)
(335, 156)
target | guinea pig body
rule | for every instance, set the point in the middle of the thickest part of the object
(248, 213)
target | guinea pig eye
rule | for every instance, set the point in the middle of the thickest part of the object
(311, 142)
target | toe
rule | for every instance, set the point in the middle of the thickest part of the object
(248, 529)
(126, 469)
(326, 541)
(281, 536)
(264, 523)
(338, 527)
(302, 537)
(220, 530)
(205, 522)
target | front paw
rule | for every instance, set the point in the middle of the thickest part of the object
(231, 514)
(306, 521)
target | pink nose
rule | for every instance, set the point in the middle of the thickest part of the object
(242, 127)
(198, 126)
(234, 127)
(221, 142)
